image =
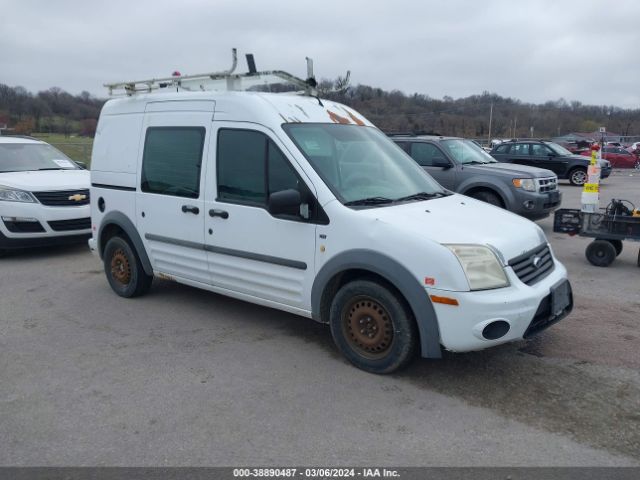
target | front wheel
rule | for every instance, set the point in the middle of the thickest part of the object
(488, 197)
(124, 270)
(373, 327)
(578, 177)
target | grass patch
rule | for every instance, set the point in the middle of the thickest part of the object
(75, 147)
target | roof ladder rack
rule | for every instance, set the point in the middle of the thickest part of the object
(224, 80)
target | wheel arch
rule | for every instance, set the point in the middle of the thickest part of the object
(114, 223)
(361, 263)
(505, 197)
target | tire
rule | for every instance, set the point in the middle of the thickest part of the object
(578, 177)
(638, 258)
(600, 253)
(617, 244)
(488, 197)
(124, 270)
(373, 327)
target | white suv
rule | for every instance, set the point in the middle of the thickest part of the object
(44, 196)
(302, 205)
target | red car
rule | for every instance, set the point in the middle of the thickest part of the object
(618, 157)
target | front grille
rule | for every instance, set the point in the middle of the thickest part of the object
(547, 184)
(528, 269)
(62, 198)
(73, 224)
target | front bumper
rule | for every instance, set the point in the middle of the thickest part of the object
(537, 205)
(526, 309)
(52, 226)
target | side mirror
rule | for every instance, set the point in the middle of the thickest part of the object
(441, 162)
(286, 202)
(82, 165)
(551, 155)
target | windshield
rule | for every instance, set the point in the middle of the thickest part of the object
(559, 149)
(466, 151)
(361, 165)
(23, 157)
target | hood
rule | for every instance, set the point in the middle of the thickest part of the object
(460, 219)
(511, 169)
(34, 181)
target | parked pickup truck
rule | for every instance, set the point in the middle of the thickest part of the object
(462, 166)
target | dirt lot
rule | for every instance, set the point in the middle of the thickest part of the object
(184, 377)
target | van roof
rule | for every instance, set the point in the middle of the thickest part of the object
(269, 109)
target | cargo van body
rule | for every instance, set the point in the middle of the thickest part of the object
(301, 204)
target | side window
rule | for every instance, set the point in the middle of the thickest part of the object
(502, 149)
(404, 146)
(241, 166)
(281, 173)
(172, 161)
(539, 150)
(251, 167)
(424, 153)
(520, 149)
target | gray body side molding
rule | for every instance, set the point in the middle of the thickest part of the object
(121, 220)
(397, 275)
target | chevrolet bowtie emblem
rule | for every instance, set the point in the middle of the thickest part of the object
(78, 197)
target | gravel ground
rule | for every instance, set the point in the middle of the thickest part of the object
(185, 377)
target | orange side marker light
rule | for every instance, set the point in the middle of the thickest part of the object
(444, 300)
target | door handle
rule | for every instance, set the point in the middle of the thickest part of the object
(218, 213)
(191, 209)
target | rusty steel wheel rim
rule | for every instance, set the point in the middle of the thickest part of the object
(120, 267)
(367, 327)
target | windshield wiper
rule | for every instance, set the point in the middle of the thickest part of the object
(369, 201)
(423, 196)
(52, 168)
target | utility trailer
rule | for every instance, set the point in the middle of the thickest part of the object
(609, 229)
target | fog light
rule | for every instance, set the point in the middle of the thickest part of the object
(495, 330)
(529, 205)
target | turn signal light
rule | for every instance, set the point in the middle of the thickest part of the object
(444, 300)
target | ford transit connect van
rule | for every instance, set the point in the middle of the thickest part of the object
(301, 204)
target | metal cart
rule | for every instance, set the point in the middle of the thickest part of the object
(608, 228)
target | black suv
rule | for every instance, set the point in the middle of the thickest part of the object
(464, 167)
(549, 155)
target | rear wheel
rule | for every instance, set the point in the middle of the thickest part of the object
(124, 270)
(578, 177)
(617, 244)
(372, 327)
(601, 253)
(488, 197)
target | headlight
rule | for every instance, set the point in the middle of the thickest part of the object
(527, 184)
(481, 266)
(11, 195)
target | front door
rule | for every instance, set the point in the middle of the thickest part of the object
(250, 251)
(170, 202)
(427, 154)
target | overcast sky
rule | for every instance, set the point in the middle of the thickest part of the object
(535, 50)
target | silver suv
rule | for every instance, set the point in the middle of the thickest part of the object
(463, 167)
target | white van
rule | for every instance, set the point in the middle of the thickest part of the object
(301, 204)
